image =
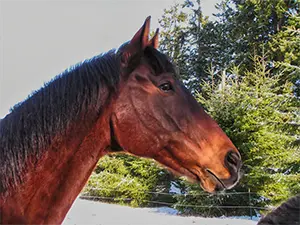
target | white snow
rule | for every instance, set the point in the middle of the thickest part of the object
(96, 213)
(174, 189)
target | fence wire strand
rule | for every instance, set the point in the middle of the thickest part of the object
(176, 194)
(175, 204)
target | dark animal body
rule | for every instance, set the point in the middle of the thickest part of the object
(288, 213)
(128, 99)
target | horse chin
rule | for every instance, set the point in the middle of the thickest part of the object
(213, 186)
(208, 181)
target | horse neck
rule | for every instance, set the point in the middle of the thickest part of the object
(50, 187)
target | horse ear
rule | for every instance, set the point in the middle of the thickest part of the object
(154, 41)
(139, 41)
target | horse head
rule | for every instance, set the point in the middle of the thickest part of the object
(155, 116)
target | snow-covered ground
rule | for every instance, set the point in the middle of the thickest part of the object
(90, 212)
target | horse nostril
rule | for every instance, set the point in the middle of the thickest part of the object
(233, 159)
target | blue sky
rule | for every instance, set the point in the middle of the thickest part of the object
(39, 39)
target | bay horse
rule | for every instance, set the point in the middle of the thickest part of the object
(288, 213)
(129, 99)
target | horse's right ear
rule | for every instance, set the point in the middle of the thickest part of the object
(139, 41)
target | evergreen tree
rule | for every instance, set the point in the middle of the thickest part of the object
(262, 122)
(174, 38)
(126, 179)
(262, 118)
(255, 27)
(243, 28)
(285, 50)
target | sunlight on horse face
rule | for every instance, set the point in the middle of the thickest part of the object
(155, 116)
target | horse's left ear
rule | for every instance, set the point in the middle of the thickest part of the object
(138, 43)
(154, 41)
(141, 38)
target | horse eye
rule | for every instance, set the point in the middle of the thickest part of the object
(165, 87)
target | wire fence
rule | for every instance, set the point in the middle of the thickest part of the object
(252, 208)
(171, 204)
(187, 194)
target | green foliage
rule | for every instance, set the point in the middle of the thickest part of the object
(175, 38)
(285, 45)
(254, 27)
(183, 39)
(262, 118)
(195, 201)
(284, 48)
(127, 180)
(252, 23)
(243, 28)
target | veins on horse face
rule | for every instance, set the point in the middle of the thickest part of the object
(114, 144)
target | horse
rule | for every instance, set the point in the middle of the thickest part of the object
(288, 213)
(128, 99)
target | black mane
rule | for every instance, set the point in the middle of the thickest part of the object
(32, 124)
